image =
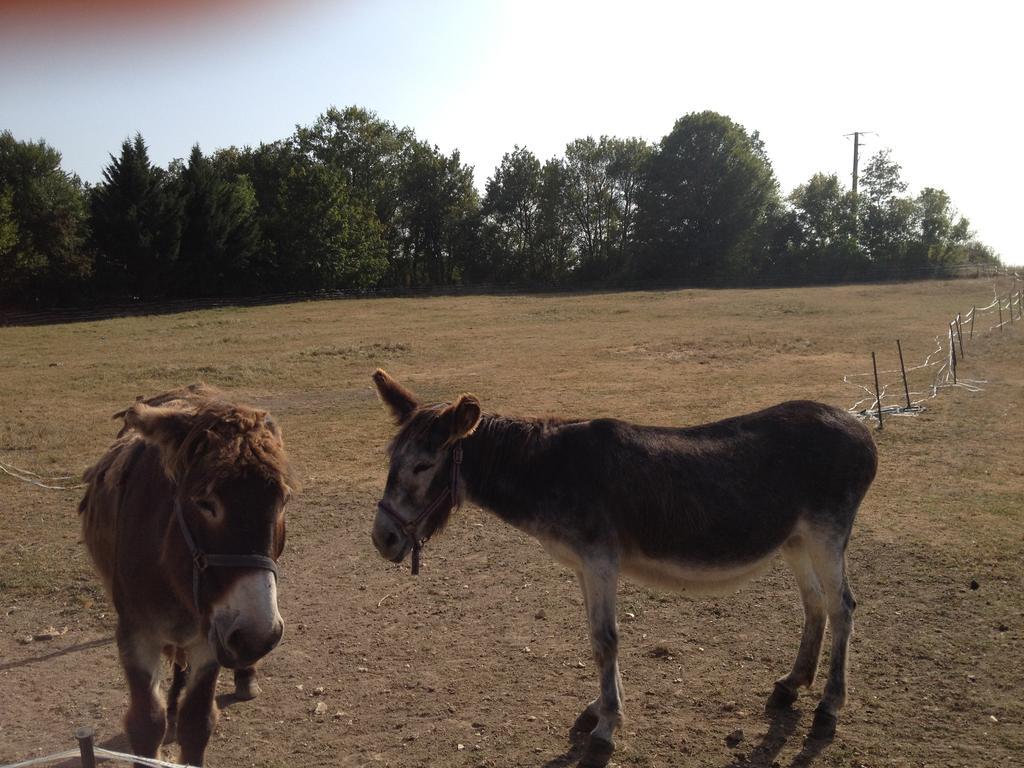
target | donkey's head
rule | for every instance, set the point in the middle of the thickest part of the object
(422, 482)
(231, 478)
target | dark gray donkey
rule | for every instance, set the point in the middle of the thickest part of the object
(699, 509)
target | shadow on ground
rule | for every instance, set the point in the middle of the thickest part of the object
(782, 726)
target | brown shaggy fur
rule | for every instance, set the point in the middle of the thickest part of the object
(182, 445)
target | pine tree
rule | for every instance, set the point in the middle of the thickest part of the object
(219, 230)
(136, 223)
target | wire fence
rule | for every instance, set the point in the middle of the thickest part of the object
(28, 476)
(942, 364)
(87, 752)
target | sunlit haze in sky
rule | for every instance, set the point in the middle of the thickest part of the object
(938, 82)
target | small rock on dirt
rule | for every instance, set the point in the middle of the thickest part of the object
(974, 584)
(540, 614)
(49, 633)
(734, 738)
(320, 708)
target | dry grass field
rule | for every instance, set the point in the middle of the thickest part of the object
(483, 660)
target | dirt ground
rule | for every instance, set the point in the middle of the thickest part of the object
(483, 659)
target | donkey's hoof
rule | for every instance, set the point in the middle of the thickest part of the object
(246, 690)
(585, 723)
(781, 698)
(824, 725)
(599, 752)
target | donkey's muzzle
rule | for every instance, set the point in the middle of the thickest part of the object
(246, 648)
(391, 541)
(245, 625)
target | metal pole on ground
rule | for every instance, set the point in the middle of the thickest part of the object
(85, 736)
(999, 303)
(952, 352)
(974, 311)
(903, 370)
(960, 334)
(878, 392)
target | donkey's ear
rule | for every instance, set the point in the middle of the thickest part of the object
(463, 417)
(399, 400)
(166, 428)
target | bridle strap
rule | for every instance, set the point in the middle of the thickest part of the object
(448, 499)
(201, 561)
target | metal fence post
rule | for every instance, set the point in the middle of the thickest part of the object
(85, 736)
(878, 392)
(903, 370)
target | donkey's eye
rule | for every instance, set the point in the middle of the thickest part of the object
(421, 468)
(209, 510)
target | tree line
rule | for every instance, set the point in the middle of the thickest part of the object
(355, 202)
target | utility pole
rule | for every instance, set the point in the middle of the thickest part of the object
(856, 156)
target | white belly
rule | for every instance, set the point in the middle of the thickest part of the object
(692, 578)
(695, 578)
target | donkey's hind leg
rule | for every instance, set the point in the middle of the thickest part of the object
(828, 557)
(179, 675)
(600, 577)
(806, 665)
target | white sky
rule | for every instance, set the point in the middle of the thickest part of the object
(935, 80)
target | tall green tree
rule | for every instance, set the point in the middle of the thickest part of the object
(220, 233)
(825, 247)
(322, 238)
(438, 214)
(709, 189)
(603, 179)
(886, 213)
(555, 239)
(941, 233)
(43, 258)
(511, 207)
(136, 225)
(369, 153)
(627, 169)
(590, 200)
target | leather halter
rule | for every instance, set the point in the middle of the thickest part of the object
(447, 501)
(201, 561)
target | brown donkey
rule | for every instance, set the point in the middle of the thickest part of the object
(698, 509)
(184, 520)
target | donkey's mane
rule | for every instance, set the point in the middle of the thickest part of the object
(501, 442)
(224, 439)
(517, 435)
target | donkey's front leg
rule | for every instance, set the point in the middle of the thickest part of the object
(198, 713)
(146, 719)
(600, 580)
